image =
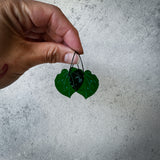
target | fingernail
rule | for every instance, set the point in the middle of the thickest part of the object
(69, 56)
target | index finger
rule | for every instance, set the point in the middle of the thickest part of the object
(51, 17)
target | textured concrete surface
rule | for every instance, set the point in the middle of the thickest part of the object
(121, 40)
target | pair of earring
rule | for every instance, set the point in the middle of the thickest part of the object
(76, 80)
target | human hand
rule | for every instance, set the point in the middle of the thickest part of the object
(32, 33)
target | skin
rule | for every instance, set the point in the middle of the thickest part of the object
(33, 33)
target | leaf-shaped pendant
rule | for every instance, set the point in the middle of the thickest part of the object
(90, 85)
(76, 78)
(62, 83)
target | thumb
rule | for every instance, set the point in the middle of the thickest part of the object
(49, 52)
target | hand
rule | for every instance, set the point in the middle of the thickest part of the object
(32, 33)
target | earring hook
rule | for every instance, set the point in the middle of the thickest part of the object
(77, 64)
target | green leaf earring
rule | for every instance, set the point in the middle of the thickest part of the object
(76, 80)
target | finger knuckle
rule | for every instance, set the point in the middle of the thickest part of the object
(76, 31)
(51, 54)
(57, 9)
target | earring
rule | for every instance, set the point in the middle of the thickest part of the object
(76, 80)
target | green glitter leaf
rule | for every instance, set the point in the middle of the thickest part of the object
(76, 78)
(90, 85)
(62, 83)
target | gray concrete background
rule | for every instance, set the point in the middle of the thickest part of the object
(121, 40)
